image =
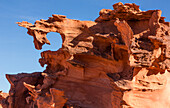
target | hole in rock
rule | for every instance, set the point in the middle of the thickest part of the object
(55, 40)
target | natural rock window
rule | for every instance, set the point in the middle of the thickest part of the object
(122, 60)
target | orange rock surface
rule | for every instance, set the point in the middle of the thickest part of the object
(3, 100)
(120, 60)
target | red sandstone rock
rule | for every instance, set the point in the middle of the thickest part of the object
(120, 60)
(3, 102)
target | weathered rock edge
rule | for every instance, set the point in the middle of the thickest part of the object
(120, 60)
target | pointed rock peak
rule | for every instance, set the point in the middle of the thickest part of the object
(11, 79)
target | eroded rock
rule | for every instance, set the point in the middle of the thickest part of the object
(120, 60)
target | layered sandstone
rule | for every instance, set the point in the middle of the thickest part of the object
(120, 60)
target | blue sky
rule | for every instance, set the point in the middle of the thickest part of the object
(17, 52)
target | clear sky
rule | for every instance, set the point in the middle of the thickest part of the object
(17, 52)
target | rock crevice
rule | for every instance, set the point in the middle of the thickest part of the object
(120, 60)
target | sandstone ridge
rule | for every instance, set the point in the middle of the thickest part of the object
(120, 60)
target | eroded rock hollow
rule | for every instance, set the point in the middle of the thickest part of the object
(120, 60)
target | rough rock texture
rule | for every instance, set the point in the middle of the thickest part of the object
(3, 102)
(120, 60)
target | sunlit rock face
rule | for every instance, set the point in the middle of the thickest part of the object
(120, 60)
(3, 100)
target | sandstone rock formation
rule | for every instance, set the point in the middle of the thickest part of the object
(120, 60)
(3, 102)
